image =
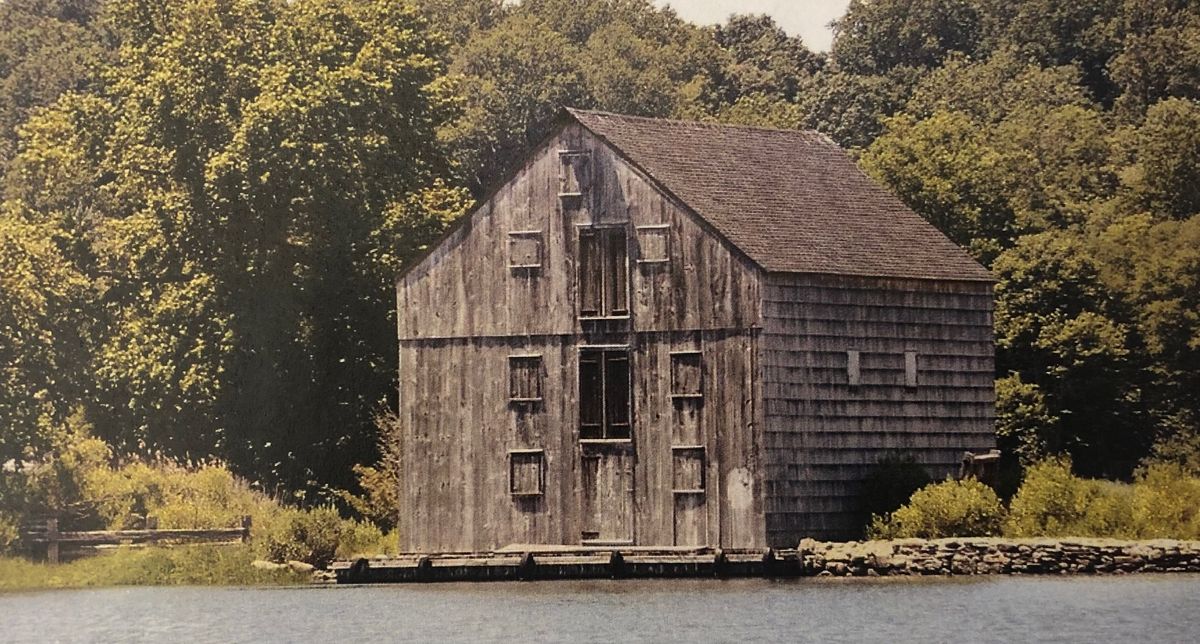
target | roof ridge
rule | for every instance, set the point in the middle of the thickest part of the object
(575, 111)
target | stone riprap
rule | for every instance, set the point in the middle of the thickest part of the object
(991, 556)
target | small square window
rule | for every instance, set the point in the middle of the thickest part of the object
(910, 369)
(654, 244)
(687, 374)
(525, 378)
(574, 176)
(525, 249)
(525, 472)
(853, 371)
(688, 469)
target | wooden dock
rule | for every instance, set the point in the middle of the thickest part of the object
(551, 562)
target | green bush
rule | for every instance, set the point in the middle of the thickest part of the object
(1053, 502)
(209, 496)
(318, 536)
(9, 533)
(948, 509)
(1166, 503)
(890, 484)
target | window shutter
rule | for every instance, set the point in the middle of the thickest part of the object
(525, 249)
(525, 378)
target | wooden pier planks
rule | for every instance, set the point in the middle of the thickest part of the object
(569, 563)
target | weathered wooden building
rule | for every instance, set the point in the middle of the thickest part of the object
(661, 332)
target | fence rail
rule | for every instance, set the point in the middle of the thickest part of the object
(55, 542)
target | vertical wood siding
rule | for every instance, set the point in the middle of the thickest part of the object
(463, 311)
(822, 435)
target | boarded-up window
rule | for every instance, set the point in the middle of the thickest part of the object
(654, 244)
(525, 249)
(603, 277)
(525, 378)
(525, 472)
(910, 368)
(604, 394)
(574, 178)
(687, 374)
(688, 469)
(853, 372)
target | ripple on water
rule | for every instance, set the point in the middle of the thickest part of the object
(1141, 608)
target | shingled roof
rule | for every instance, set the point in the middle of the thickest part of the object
(792, 201)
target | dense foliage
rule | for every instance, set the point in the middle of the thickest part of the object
(204, 201)
(1162, 502)
(965, 508)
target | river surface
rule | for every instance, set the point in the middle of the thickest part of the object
(1139, 608)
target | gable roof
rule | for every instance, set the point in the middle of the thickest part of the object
(792, 201)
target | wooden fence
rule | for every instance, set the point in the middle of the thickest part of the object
(56, 542)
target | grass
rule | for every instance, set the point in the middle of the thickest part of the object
(177, 566)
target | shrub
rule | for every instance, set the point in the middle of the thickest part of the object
(9, 533)
(1053, 502)
(209, 496)
(891, 482)
(379, 501)
(951, 508)
(318, 536)
(1166, 503)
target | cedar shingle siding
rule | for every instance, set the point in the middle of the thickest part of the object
(648, 334)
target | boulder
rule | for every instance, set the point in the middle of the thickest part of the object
(260, 564)
(300, 566)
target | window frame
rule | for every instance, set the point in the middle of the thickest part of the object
(606, 430)
(540, 386)
(520, 456)
(646, 231)
(680, 454)
(582, 178)
(526, 235)
(603, 277)
(678, 357)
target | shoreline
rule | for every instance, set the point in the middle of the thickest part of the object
(945, 557)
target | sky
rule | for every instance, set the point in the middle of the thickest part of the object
(808, 19)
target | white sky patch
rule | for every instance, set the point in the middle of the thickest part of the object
(808, 19)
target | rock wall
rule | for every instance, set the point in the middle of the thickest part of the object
(989, 556)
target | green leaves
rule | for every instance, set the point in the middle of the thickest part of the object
(231, 194)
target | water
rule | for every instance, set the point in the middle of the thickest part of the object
(1143, 608)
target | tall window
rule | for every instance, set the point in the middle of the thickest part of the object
(604, 394)
(603, 273)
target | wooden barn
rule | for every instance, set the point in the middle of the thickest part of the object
(672, 333)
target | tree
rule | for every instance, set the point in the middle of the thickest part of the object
(1052, 33)
(47, 47)
(944, 168)
(1058, 327)
(1165, 176)
(851, 108)
(1155, 266)
(764, 60)
(40, 297)
(876, 36)
(256, 153)
(515, 78)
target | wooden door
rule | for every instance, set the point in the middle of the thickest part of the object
(607, 493)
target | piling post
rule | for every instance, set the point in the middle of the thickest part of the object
(526, 570)
(52, 540)
(720, 563)
(246, 529)
(616, 565)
